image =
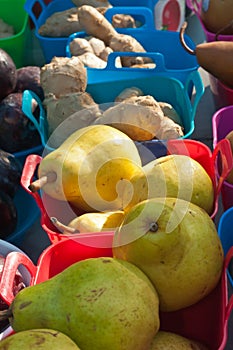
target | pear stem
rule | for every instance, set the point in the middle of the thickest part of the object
(62, 227)
(182, 39)
(5, 314)
(42, 181)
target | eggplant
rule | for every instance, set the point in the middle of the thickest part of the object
(28, 78)
(10, 173)
(8, 215)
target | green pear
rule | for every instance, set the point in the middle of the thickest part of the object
(172, 176)
(100, 303)
(90, 167)
(164, 340)
(41, 339)
(176, 244)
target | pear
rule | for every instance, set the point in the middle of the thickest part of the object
(172, 176)
(97, 222)
(42, 339)
(100, 303)
(176, 244)
(90, 167)
(165, 340)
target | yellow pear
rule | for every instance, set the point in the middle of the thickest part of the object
(90, 168)
(164, 340)
(172, 176)
(176, 244)
(96, 222)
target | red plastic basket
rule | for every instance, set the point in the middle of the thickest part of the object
(197, 150)
(206, 321)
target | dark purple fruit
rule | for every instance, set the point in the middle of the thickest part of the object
(8, 76)
(28, 78)
(17, 132)
(10, 173)
(8, 215)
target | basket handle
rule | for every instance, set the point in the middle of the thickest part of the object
(222, 148)
(28, 7)
(27, 175)
(12, 262)
(41, 126)
(141, 11)
(227, 261)
(194, 80)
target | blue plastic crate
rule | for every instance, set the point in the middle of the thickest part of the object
(52, 46)
(163, 47)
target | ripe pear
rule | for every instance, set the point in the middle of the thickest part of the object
(42, 339)
(100, 303)
(172, 176)
(97, 222)
(90, 167)
(176, 244)
(229, 136)
(164, 340)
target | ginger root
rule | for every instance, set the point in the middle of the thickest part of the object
(135, 118)
(61, 24)
(63, 75)
(128, 93)
(95, 24)
(79, 46)
(68, 113)
(89, 59)
(94, 3)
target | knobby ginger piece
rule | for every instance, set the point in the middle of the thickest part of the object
(169, 111)
(123, 21)
(97, 45)
(89, 59)
(169, 130)
(127, 43)
(128, 93)
(63, 75)
(69, 113)
(95, 24)
(140, 122)
(79, 46)
(94, 3)
(106, 52)
(61, 24)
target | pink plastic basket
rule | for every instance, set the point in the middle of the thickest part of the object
(206, 321)
(197, 150)
(222, 124)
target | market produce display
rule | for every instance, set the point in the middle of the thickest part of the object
(164, 255)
